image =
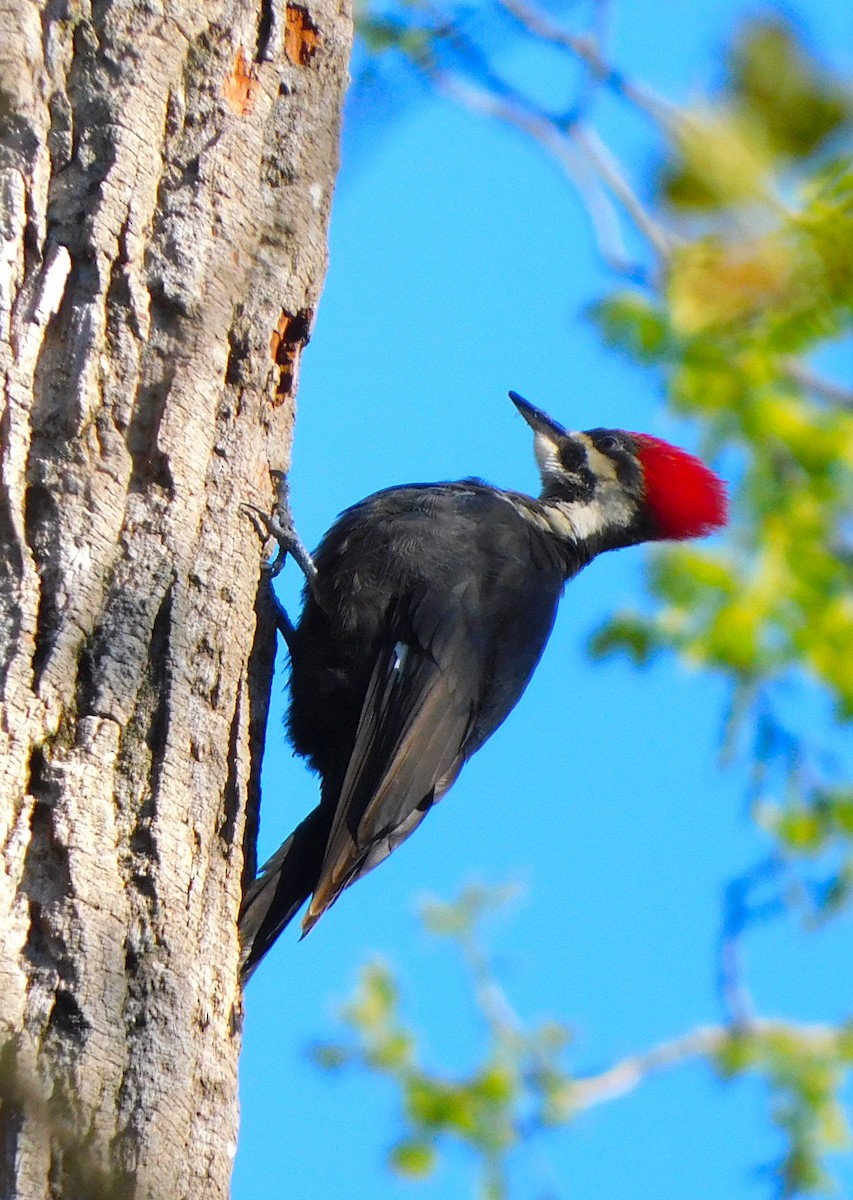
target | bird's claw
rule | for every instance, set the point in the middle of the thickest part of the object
(279, 526)
(269, 525)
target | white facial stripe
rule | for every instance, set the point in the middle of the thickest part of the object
(576, 520)
(602, 466)
(549, 463)
(546, 455)
(583, 519)
(580, 520)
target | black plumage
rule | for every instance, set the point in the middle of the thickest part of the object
(411, 663)
(428, 611)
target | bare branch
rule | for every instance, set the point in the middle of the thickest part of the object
(518, 113)
(586, 48)
(582, 156)
(628, 1074)
(705, 1041)
(608, 169)
(828, 389)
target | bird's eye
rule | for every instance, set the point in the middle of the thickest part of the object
(608, 442)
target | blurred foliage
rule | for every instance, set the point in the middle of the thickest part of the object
(740, 295)
(754, 286)
(515, 1089)
(805, 1069)
(520, 1087)
(780, 107)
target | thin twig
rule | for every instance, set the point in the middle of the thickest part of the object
(608, 169)
(587, 50)
(739, 912)
(542, 129)
(628, 1074)
(837, 393)
(579, 151)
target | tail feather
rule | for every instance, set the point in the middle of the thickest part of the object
(285, 882)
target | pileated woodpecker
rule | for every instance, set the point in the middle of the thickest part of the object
(426, 611)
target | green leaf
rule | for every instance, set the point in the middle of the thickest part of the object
(737, 1053)
(414, 1158)
(629, 633)
(631, 322)
(331, 1057)
(785, 89)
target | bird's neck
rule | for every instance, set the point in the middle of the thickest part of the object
(552, 520)
(588, 526)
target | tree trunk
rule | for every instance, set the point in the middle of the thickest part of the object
(166, 174)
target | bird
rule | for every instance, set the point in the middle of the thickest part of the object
(426, 609)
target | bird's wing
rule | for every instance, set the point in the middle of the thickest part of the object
(416, 716)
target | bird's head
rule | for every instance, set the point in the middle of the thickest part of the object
(614, 488)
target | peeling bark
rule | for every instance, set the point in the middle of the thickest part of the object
(166, 174)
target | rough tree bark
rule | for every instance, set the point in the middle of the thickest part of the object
(166, 171)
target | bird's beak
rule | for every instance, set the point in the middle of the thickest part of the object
(538, 421)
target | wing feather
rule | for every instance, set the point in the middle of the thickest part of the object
(415, 720)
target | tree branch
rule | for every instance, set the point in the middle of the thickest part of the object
(828, 389)
(540, 26)
(586, 176)
(608, 169)
(706, 1041)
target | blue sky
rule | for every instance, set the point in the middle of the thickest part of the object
(461, 266)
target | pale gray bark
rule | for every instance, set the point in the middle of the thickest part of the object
(166, 172)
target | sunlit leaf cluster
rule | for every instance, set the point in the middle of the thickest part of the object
(805, 1069)
(516, 1088)
(521, 1085)
(760, 280)
(780, 107)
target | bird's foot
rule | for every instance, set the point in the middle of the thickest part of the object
(279, 526)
